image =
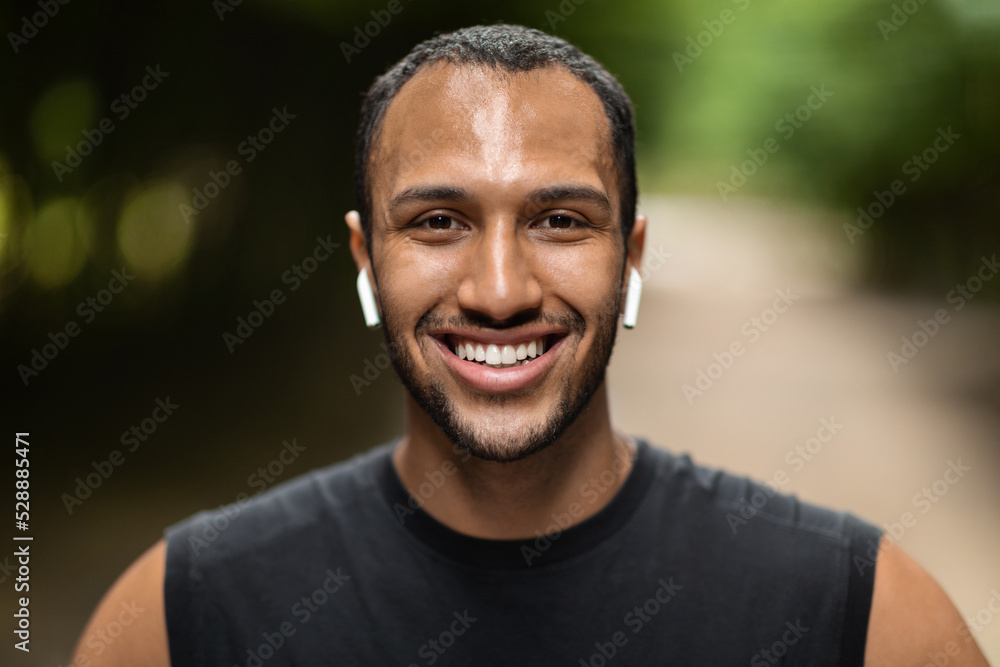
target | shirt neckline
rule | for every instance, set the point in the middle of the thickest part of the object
(520, 554)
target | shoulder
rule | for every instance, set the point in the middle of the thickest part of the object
(128, 627)
(803, 553)
(800, 560)
(912, 619)
(907, 617)
(329, 497)
(200, 550)
(749, 512)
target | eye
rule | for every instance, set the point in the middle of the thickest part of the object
(559, 222)
(439, 222)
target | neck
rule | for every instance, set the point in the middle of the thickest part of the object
(577, 475)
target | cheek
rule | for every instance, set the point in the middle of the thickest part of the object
(415, 279)
(583, 277)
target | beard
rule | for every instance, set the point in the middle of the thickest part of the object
(501, 435)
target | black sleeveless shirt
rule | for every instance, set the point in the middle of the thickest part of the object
(685, 565)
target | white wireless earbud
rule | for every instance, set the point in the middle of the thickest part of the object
(632, 295)
(367, 296)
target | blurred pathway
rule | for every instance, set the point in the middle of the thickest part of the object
(819, 370)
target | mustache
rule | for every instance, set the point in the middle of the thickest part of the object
(572, 321)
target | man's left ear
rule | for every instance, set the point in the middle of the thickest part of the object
(633, 260)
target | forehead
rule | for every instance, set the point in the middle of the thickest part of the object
(493, 128)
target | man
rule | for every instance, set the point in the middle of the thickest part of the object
(512, 524)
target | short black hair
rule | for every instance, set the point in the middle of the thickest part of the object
(512, 48)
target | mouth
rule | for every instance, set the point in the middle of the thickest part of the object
(500, 354)
(500, 361)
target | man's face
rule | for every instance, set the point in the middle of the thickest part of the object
(495, 231)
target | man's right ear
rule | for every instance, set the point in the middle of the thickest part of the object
(359, 249)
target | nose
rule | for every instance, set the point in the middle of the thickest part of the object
(500, 278)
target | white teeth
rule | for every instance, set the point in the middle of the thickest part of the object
(499, 355)
(493, 354)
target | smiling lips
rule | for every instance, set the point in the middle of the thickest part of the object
(499, 366)
(496, 355)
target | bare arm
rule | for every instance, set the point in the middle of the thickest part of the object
(913, 620)
(128, 628)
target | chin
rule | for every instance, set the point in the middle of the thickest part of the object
(498, 448)
(504, 434)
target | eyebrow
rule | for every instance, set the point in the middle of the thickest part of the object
(572, 192)
(428, 193)
(546, 195)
